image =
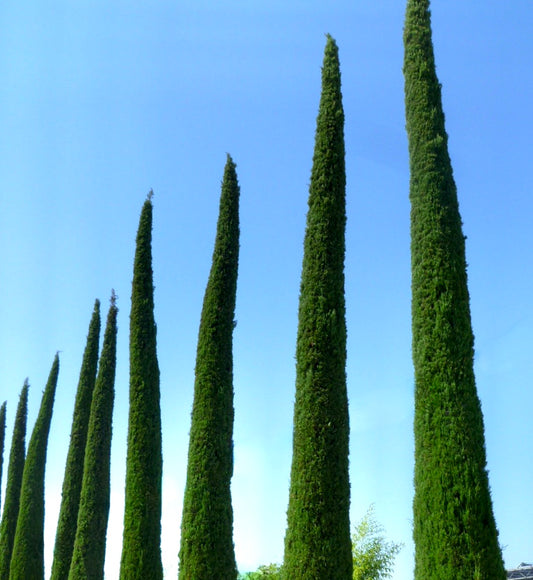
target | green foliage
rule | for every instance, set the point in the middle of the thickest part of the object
(8, 524)
(27, 560)
(2, 437)
(89, 546)
(207, 522)
(68, 513)
(373, 555)
(317, 541)
(141, 547)
(454, 530)
(271, 571)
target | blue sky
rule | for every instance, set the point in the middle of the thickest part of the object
(103, 101)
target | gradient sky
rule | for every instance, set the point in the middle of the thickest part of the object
(102, 101)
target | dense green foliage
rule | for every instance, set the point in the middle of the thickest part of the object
(8, 524)
(27, 560)
(207, 521)
(317, 542)
(89, 546)
(68, 513)
(141, 548)
(454, 529)
(2, 437)
(373, 555)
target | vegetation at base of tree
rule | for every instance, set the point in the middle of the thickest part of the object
(8, 524)
(270, 571)
(207, 523)
(141, 547)
(454, 529)
(27, 560)
(2, 437)
(373, 555)
(317, 541)
(89, 546)
(68, 513)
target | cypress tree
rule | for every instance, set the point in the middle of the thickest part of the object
(2, 438)
(8, 524)
(207, 522)
(141, 547)
(89, 546)
(27, 560)
(317, 541)
(454, 529)
(68, 513)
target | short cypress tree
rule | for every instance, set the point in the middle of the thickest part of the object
(141, 548)
(2, 438)
(207, 522)
(89, 546)
(454, 530)
(68, 513)
(27, 559)
(317, 541)
(8, 524)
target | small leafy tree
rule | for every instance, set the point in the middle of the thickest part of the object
(373, 555)
(272, 572)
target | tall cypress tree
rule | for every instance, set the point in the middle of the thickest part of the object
(8, 524)
(454, 530)
(89, 546)
(207, 522)
(317, 541)
(2, 437)
(27, 560)
(68, 513)
(141, 548)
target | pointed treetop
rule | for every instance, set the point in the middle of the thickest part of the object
(150, 195)
(114, 298)
(330, 41)
(230, 165)
(331, 48)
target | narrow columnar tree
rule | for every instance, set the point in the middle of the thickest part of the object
(89, 546)
(141, 548)
(8, 524)
(317, 541)
(27, 559)
(68, 513)
(2, 437)
(454, 530)
(207, 521)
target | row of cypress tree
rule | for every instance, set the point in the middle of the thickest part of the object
(454, 529)
(83, 519)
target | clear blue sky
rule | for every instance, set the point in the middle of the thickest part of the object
(101, 101)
